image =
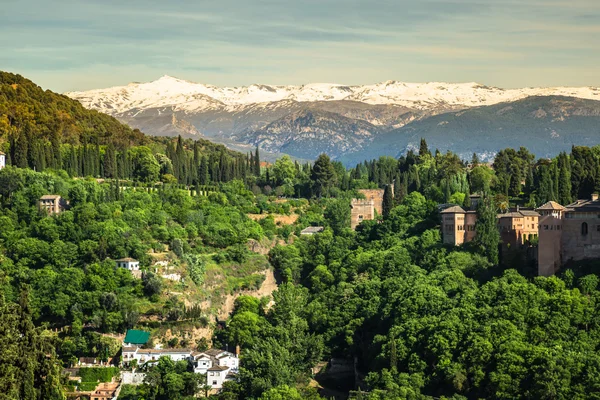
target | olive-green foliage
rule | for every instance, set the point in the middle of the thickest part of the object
(29, 369)
(98, 374)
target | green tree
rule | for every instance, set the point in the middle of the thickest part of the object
(323, 176)
(487, 238)
(388, 201)
(337, 214)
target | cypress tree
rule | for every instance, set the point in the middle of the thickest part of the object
(21, 152)
(257, 162)
(110, 162)
(203, 171)
(388, 201)
(564, 179)
(56, 151)
(423, 148)
(487, 238)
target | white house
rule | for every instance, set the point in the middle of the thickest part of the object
(152, 355)
(128, 263)
(2, 160)
(217, 365)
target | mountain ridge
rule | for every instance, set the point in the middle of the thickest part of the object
(191, 96)
(350, 123)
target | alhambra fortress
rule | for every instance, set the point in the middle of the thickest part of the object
(562, 233)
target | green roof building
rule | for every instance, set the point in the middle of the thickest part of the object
(136, 337)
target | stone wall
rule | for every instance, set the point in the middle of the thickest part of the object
(376, 195)
(577, 246)
(362, 210)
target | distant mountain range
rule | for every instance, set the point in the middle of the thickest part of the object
(353, 123)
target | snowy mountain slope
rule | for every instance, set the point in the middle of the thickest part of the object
(352, 122)
(193, 97)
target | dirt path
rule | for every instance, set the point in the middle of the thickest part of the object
(268, 286)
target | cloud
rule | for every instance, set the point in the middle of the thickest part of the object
(232, 42)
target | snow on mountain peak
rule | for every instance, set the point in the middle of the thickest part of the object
(168, 91)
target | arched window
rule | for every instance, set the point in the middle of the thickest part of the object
(584, 228)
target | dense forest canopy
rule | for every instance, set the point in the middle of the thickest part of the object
(410, 317)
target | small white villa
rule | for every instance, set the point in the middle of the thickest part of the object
(218, 365)
(2, 160)
(128, 263)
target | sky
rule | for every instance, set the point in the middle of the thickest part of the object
(66, 45)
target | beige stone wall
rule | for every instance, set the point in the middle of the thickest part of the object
(577, 246)
(550, 245)
(375, 195)
(362, 210)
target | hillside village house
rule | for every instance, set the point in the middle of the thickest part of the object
(218, 365)
(128, 263)
(52, 204)
(564, 233)
(2, 160)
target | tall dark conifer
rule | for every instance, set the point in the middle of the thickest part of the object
(256, 162)
(388, 201)
(487, 238)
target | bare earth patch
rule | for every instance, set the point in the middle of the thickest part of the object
(268, 286)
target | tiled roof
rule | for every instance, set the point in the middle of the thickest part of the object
(519, 214)
(129, 349)
(551, 205)
(50, 197)
(453, 210)
(218, 368)
(584, 206)
(127, 259)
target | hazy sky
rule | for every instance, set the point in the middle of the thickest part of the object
(84, 44)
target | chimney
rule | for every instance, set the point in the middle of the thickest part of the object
(237, 350)
(517, 208)
(594, 196)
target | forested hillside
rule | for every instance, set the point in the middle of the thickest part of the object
(383, 312)
(29, 113)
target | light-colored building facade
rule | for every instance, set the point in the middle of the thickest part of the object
(2, 160)
(518, 228)
(52, 204)
(152, 355)
(218, 366)
(128, 263)
(458, 225)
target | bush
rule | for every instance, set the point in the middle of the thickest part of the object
(98, 374)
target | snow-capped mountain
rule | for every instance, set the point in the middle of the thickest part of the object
(193, 97)
(350, 122)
